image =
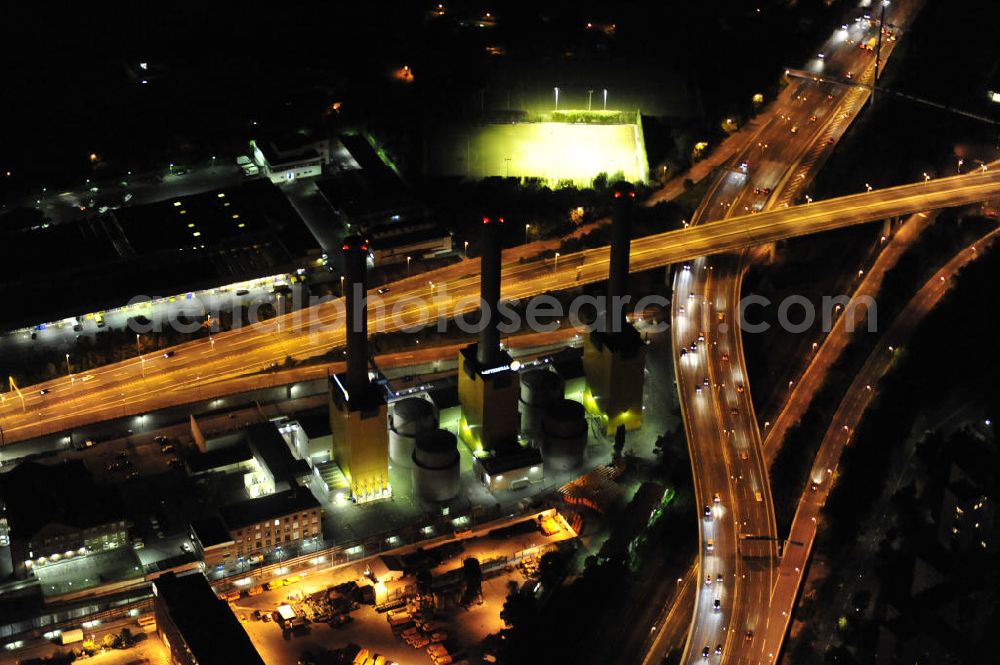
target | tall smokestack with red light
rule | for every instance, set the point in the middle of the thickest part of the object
(355, 270)
(488, 352)
(613, 353)
(621, 244)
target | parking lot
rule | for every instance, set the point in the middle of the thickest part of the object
(150, 651)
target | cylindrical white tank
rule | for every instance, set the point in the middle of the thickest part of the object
(408, 419)
(540, 388)
(564, 436)
(436, 466)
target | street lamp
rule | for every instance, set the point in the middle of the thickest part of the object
(555, 268)
(605, 99)
(868, 187)
(466, 249)
(341, 286)
(408, 265)
(590, 96)
(959, 168)
(926, 176)
(526, 227)
(557, 97)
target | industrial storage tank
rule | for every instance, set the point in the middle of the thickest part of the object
(564, 436)
(409, 418)
(436, 466)
(540, 388)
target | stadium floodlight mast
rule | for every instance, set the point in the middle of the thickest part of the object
(557, 97)
(605, 99)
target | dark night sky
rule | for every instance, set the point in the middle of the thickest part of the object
(71, 87)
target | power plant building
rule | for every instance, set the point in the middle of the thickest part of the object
(614, 354)
(358, 406)
(487, 377)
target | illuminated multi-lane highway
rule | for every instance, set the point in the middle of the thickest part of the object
(859, 395)
(136, 386)
(728, 464)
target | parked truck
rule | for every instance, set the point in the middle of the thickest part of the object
(71, 636)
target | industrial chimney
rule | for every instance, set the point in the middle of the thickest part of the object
(355, 270)
(487, 375)
(488, 352)
(358, 408)
(621, 243)
(613, 353)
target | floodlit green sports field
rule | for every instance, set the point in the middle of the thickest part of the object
(553, 151)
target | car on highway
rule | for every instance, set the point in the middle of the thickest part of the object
(814, 487)
(44, 391)
(739, 388)
(697, 389)
(705, 382)
(812, 118)
(169, 354)
(383, 290)
(242, 292)
(718, 578)
(734, 412)
(694, 346)
(708, 511)
(705, 652)
(748, 637)
(716, 498)
(725, 357)
(708, 580)
(717, 605)
(709, 544)
(718, 649)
